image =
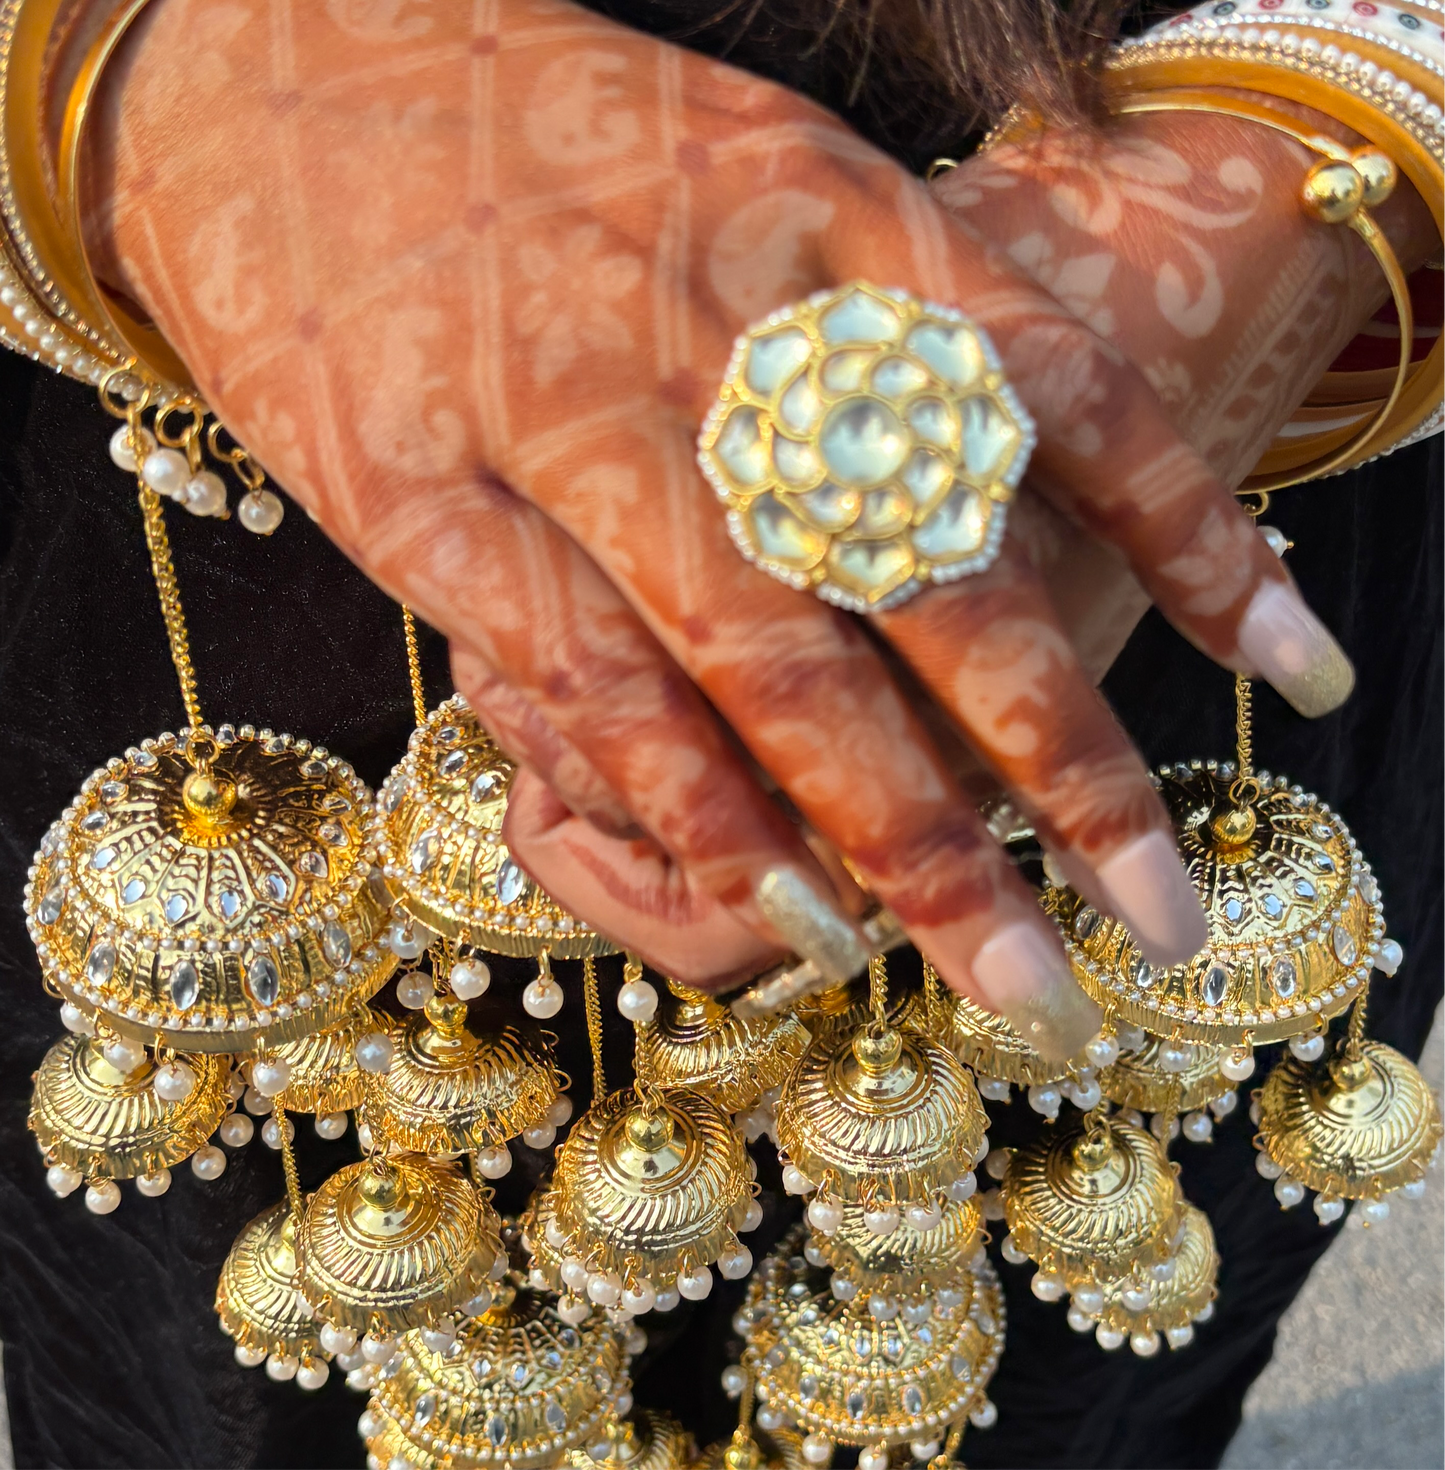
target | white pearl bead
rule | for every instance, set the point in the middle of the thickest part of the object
(378, 1348)
(249, 1357)
(1135, 1298)
(1329, 1208)
(1174, 1058)
(408, 940)
(1371, 1211)
(313, 1375)
(1198, 1127)
(882, 1307)
(604, 1288)
(362, 1379)
(875, 1457)
(771, 1419)
(154, 1185)
(923, 1217)
(817, 1449)
(695, 1285)
(752, 1217)
(414, 989)
(205, 494)
(995, 1165)
(474, 1306)
(640, 1297)
(260, 511)
(795, 1181)
(120, 450)
(1046, 1098)
(990, 1203)
(574, 1274)
(1289, 1192)
(494, 1162)
(542, 999)
(916, 1313)
(1010, 1251)
(374, 1052)
(1390, 957)
(255, 1104)
(1079, 1320)
(1205, 1312)
(540, 1135)
(1165, 1270)
(237, 1130)
(123, 1054)
(963, 1188)
(1179, 1337)
(1089, 1298)
(1266, 1167)
(825, 1215)
(165, 471)
(667, 1299)
(637, 1000)
(1086, 1095)
(1157, 1126)
(1415, 1189)
(1108, 1338)
(1132, 1116)
(1238, 1065)
(330, 1126)
(271, 1133)
(985, 1416)
(208, 1162)
(560, 1111)
(924, 1449)
(270, 1076)
(634, 1340)
(881, 1219)
(280, 1368)
(1047, 1286)
(338, 1339)
(74, 1019)
(1103, 1051)
(1308, 1048)
(1223, 1105)
(174, 1081)
(735, 1262)
(1146, 1344)
(470, 978)
(102, 1197)
(843, 1288)
(574, 1310)
(63, 1180)
(994, 1089)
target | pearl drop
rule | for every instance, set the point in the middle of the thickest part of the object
(260, 511)
(875, 1457)
(1415, 1189)
(494, 1162)
(923, 1218)
(540, 1135)
(470, 978)
(560, 1111)
(208, 1162)
(640, 1298)
(1010, 1251)
(917, 1313)
(574, 1274)
(1145, 1344)
(825, 1215)
(1198, 1127)
(771, 1419)
(752, 1217)
(1047, 1286)
(312, 1375)
(667, 1298)
(573, 1310)
(734, 1380)
(542, 999)
(842, 1288)
(1089, 1298)
(338, 1340)
(74, 1019)
(330, 1125)
(408, 940)
(991, 1204)
(996, 1163)
(1174, 1058)
(882, 1306)
(237, 1130)
(1307, 1048)
(1086, 1095)
(378, 1348)
(1289, 1192)
(817, 1449)
(1266, 1167)
(881, 1220)
(270, 1076)
(165, 471)
(369, 1425)
(637, 1000)
(735, 1262)
(255, 1104)
(123, 1054)
(204, 494)
(249, 1357)
(102, 1197)
(1046, 1099)
(1329, 1208)
(174, 1082)
(374, 1052)
(994, 1089)
(1372, 1211)
(414, 989)
(962, 1189)
(1079, 1320)
(1135, 1298)
(154, 1185)
(1238, 1065)
(985, 1416)
(795, 1181)
(63, 1180)
(1165, 1270)
(361, 1380)
(1390, 957)
(271, 1133)
(604, 1288)
(474, 1306)
(1103, 1051)
(1223, 1105)
(280, 1368)
(1179, 1337)
(695, 1285)
(120, 451)
(1108, 1338)
(924, 1449)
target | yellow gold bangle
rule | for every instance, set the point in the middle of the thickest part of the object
(1337, 190)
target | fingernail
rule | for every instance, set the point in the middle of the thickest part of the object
(1289, 646)
(1149, 890)
(1026, 979)
(811, 925)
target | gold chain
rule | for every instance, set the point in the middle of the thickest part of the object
(593, 1006)
(164, 571)
(931, 997)
(1243, 727)
(288, 1163)
(413, 666)
(878, 987)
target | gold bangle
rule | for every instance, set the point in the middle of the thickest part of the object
(1335, 191)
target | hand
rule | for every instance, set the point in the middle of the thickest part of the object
(467, 290)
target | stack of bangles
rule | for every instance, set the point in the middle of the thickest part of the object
(1370, 67)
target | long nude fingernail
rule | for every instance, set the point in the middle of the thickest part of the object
(1288, 645)
(1149, 890)
(811, 924)
(1024, 976)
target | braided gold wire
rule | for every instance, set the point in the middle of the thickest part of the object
(593, 1005)
(413, 666)
(164, 571)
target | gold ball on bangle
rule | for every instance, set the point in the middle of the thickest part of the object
(1379, 173)
(1332, 191)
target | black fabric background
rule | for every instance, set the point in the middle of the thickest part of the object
(112, 1354)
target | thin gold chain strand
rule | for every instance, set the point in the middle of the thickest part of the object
(1243, 727)
(164, 571)
(878, 987)
(413, 666)
(593, 1005)
(288, 1163)
(931, 996)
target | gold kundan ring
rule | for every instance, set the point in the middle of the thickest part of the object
(866, 444)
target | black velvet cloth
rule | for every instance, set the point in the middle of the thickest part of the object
(112, 1354)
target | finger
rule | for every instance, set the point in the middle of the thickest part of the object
(994, 655)
(806, 691)
(1109, 456)
(632, 890)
